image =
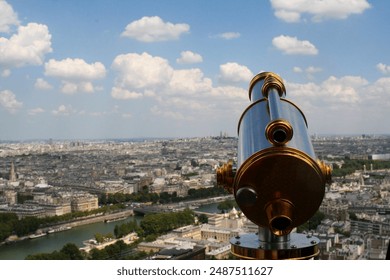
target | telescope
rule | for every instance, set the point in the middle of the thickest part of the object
(277, 181)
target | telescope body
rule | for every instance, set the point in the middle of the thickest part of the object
(278, 182)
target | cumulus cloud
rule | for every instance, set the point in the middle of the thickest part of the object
(8, 17)
(74, 69)
(121, 93)
(185, 94)
(383, 68)
(309, 71)
(189, 82)
(318, 10)
(291, 45)
(76, 74)
(9, 102)
(27, 47)
(42, 84)
(71, 87)
(141, 71)
(189, 57)
(297, 69)
(350, 101)
(63, 110)
(331, 93)
(232, 72)
(154, 29)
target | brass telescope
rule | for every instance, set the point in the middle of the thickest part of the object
(278, 182)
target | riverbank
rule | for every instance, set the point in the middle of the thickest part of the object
(75, 223)
(77, 235)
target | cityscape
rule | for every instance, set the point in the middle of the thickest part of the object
(111, 180)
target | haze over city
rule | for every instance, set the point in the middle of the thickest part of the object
(122, 69)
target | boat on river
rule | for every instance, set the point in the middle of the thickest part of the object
(58, 229)
(115, 219)
(37, 235)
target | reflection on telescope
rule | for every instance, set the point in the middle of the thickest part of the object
(277, 181)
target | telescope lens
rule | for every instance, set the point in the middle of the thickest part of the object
(279, 136)
(281, 223)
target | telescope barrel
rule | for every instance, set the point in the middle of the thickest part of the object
(278, 181)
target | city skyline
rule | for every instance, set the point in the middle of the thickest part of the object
(128, 69)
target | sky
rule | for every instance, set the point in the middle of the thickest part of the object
(171, 68)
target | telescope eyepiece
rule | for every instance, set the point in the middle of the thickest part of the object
(280, 214)
(279, 132)
(279, 135)
(281, 224)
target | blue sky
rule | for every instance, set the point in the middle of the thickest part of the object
(170, 68)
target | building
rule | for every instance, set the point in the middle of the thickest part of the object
(84, 203)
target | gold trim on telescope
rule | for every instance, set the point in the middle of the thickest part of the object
(225, 176)
(270, 80)
(283, 179)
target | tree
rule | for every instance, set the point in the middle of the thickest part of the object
(96, 254)
(99, 237)
(203, 219)
(68, 252)
(226, 205)
(72, 251)
(26, 225)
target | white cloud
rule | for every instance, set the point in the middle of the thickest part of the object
(232, 72)
(184, 94)
(189, 57)
(141, 71)
(27, 47)
(350, 101)
(312, 70)
(42, 84)
(297, 69)
(332, 93)
(383, 68)
(36, 111)
(319, 10)
(229, 35)
(288, 16)
(309, 71)
(189, 82)
(72, 87)
(379, 93)
(75, 69)
(291, 45)
(153, 29)
(76, 74)
(120, 93)
(8, 17)
(9, 102)
(63, 110)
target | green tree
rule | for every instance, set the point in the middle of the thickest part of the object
(312, 223)
(203, 219)
(96, 254)
(99, 237)
(226, 205)
(71, 251)
(26, 226)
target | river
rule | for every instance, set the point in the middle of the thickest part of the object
(55, 241)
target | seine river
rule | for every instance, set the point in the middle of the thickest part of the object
(55, 241)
